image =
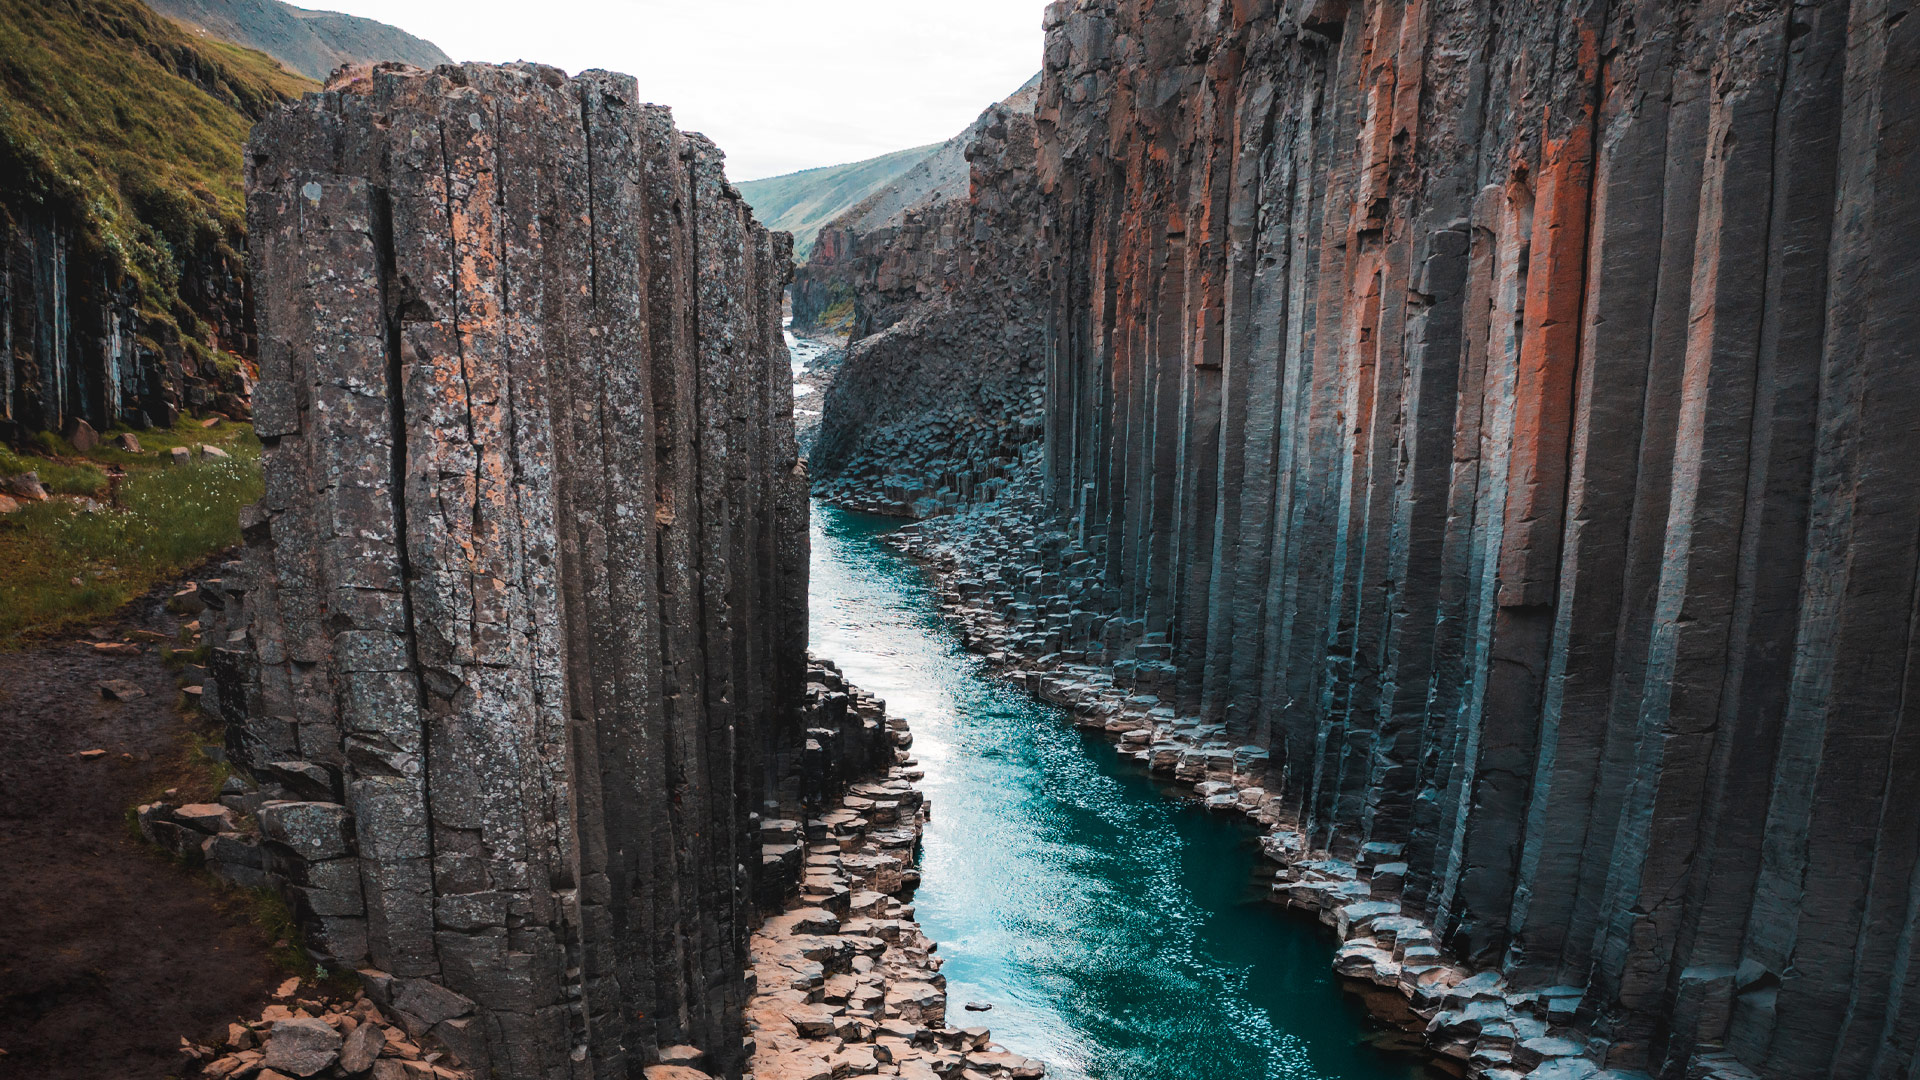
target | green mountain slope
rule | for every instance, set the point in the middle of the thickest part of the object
(801, 202)
(119, 124)
(312, 43)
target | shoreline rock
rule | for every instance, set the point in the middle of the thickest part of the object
(846, 983)
(1467, 1020)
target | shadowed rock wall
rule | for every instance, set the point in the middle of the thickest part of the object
(526, 601)
(76, 346)
(940, 389)
(1509, 416)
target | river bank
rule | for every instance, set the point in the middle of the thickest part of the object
(1113, 932)
(982, 564)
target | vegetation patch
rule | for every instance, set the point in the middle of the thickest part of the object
(77, 557)
(120, 123)
(838, 317)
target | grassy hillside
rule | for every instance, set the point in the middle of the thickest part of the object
(312, 43)
(801, 202)
(118, 121)
(67, 561)
(128, 129)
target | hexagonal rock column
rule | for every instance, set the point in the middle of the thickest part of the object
(526, 593)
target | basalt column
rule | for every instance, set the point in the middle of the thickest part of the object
(527, 590)
(1508, 415)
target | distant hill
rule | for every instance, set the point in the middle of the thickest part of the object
(801, 202)
(312, 43)
(936, 177)
(838, 263)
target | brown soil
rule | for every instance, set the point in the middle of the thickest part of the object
(109, 950)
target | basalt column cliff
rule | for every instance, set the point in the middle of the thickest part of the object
(526, 598)
(1509, 415)
(939, 393)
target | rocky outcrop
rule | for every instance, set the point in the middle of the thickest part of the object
(521, 647)
(904, 243)
(1502, 420)
(939, 390)
(845, 982)
(77, 346)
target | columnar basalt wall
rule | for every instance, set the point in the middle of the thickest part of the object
(940, 390)
(76, 347)
(1508, 416)
(523, 647)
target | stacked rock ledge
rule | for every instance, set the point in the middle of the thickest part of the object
(846, 983)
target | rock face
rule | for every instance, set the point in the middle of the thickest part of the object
(123, 292)
(940, 387)
(522, 642)
(75, 347)
(1507, 419)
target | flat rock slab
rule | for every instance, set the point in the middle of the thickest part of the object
(302, 1047)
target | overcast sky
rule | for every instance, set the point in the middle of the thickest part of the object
(779, 84)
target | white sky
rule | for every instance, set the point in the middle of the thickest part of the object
(780, 85)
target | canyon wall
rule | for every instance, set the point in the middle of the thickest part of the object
(939, 392)
(522, 646)
(1508, 416)
(78, 345)
(124, 297)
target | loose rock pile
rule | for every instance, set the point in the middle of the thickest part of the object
(313, 1035)
(847, 985)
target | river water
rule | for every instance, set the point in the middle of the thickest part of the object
(1117, 933)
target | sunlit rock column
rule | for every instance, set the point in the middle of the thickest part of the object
(528, 583)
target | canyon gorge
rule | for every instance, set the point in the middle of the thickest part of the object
(1502, 419)
(1345, 538)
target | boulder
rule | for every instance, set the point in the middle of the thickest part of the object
(120, 690)
(208, 818)
(315, 831)
(82, 435)
(24, 486)
(428, 1001)
(362, 1048)
(302, 1047)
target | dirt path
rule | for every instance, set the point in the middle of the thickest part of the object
(109, 952)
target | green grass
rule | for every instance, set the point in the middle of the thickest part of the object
(121, 124)
(168, 520)
(57, 477)
(838, 316)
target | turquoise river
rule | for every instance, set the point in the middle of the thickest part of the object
(1117, 933)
